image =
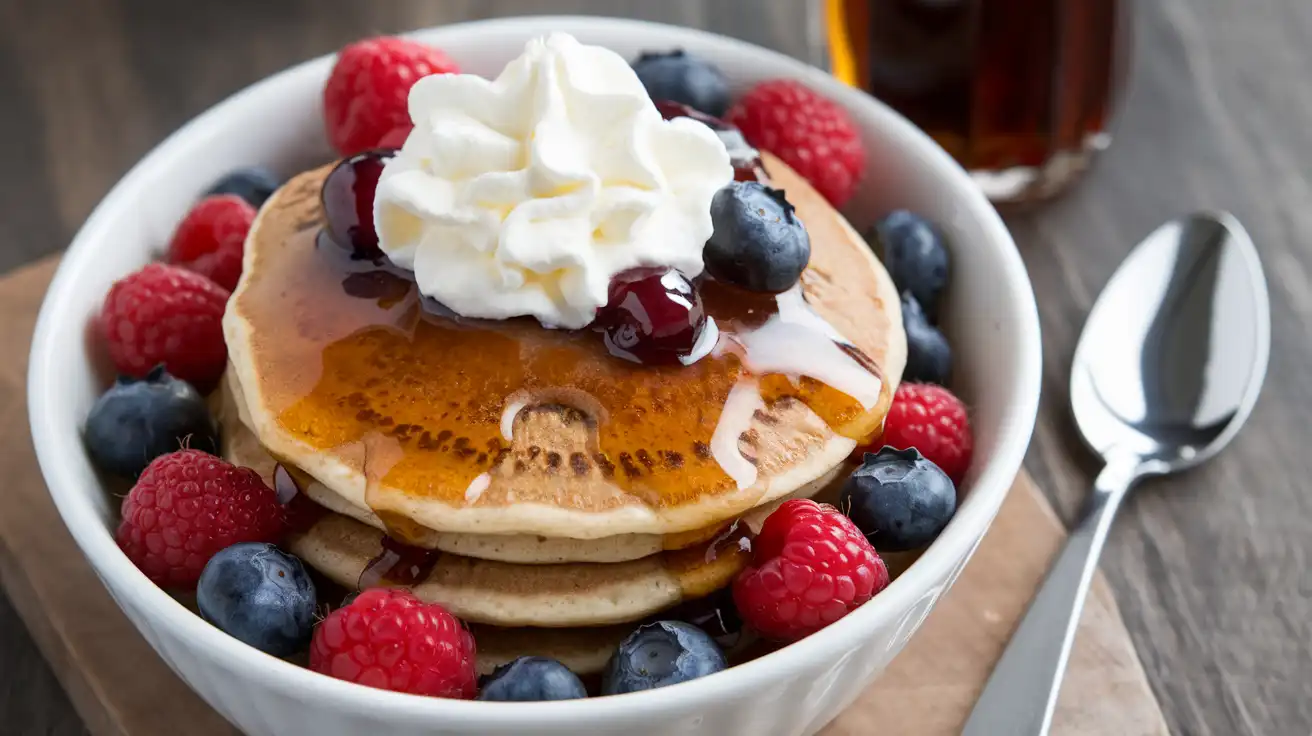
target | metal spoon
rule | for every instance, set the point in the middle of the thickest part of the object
(1167, 369)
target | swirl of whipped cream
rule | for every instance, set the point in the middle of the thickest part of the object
(527, 194)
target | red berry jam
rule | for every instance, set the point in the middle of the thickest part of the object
(348, 201)
(654, 316)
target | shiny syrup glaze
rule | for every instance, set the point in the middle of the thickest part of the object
(401, 564)
(398, 563)
(406, 565)
(417, 397)
(302, 513)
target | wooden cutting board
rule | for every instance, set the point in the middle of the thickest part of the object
(121, 688)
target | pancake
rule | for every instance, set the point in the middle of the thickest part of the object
(241, 447)
(583, 650)
(355, 555)
(459, 426)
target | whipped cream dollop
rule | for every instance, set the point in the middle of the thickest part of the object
(525, 195)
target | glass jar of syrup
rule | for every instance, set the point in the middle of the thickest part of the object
(1020, 92)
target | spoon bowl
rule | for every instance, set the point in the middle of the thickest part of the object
(1172, 357)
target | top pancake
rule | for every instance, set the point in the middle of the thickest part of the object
(240, 447)
(450, 424)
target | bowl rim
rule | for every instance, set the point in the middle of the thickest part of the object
(830, 644)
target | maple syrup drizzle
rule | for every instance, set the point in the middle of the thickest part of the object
(401, 564)
(302, 513)
(734, 543)
(419, 399)
(398, 563)
(732, 538)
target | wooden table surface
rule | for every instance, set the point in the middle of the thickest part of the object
(1210, 569)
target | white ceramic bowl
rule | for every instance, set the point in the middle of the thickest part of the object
(993, 327)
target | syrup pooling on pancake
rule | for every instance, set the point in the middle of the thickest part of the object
(417, 398)
(357, 362)
(306, 495)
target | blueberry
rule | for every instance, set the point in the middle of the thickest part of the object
(136, 421)
(681, 77)
(256, 593)
(660, 654)
(532, 678)
(898, 499)
(758, 242)
(929, 357)
(914, 253)
(254, 185)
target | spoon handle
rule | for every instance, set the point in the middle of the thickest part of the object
(1021, 694)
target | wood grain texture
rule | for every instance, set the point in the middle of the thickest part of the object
(1210, 569)
(122, 689)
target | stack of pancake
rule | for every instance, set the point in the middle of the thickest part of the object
(515, 511)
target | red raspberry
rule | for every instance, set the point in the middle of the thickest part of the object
(166, 314)
(810, 133)
(212, 237)
(932, 420)
(188, 505)
(368, 90)
(395, 138)
(810, 567)
(391, 640)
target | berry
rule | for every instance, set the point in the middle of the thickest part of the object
(188, 505)
(532, 678)
(932, 420)
(137, 420)
(898, 499)
(395, 138)
(211, 238)
(653, 316)
(255, 593)
(745, 159)
(367, 94)
(913, 252)
(810, 567)
(810, 133)
(166, 314)
(255, 185)
(386, 638)
(929, 357)
(757, 243)
(348, 201)
(681, 77)
(660, 654)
